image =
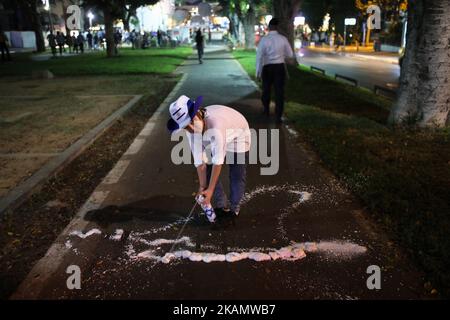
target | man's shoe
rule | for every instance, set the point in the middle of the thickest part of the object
(222, 212)
(234, 213)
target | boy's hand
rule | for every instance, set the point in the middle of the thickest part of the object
(208, 195)
(200, 190)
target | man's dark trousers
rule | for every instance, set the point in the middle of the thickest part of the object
(273, 74)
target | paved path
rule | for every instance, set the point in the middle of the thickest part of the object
(148, 198)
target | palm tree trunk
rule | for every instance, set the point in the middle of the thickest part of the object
(424, 96)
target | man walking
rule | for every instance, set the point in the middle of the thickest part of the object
(159, 38)
(224, 134)
(200, 42)
(273, 51)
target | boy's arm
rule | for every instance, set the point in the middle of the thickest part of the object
(202, 181)
(215, 173)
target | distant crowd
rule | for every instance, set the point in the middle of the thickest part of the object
(92, 41)
(79, 43)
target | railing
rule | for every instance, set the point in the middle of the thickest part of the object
(339, 76)
(378, 90)
(389, 93)
(322, 71)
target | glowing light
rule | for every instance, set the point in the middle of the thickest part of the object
(299, 21)
(350, 21)
(46, 4)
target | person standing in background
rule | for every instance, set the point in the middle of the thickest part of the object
(60, 40)
(117, 41)
(4, 46)
(52, 43)
(80, 42)
(89, 40)
(69, 42)
(95, 38)
(272, 53)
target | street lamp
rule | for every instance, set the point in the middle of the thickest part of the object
(91, 16)
(348, 22)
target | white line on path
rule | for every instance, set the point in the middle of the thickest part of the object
(135, 147)
(115, 174)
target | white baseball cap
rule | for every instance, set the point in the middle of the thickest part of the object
(182, 112)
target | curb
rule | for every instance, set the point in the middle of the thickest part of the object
(20, 193)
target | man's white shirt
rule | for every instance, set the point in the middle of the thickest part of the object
(226, 131)
(273, 48)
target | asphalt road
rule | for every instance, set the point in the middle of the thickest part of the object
(368, 72)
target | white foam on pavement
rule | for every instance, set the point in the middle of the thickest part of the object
(340, 248)
(158, 242)
(85, 235)
(293, 252)
(117, 235)
(161, 229)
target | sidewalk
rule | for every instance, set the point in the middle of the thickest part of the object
(138, 211)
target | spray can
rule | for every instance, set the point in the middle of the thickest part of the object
(207, 208)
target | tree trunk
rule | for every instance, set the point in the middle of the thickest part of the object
(424, 95)
(232, 28)
(109, 32)
(126, 23)
(128, 15)
(286, 10)
(236, 22)
(248, 22)
(37, 28)
(30, 9)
